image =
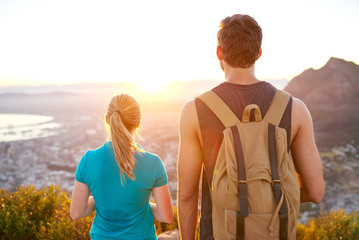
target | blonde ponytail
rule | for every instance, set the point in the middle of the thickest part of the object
(123, 116)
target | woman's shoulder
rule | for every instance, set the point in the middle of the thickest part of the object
(148, 156)
(96, 152)
(150, 166)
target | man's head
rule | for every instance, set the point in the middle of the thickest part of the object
(239, 39)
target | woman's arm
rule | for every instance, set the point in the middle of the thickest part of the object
(81, 204)
(162, 210)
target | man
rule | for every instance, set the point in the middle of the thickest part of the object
(239, 46)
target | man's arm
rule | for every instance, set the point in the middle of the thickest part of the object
(189, 171)
(305, 154)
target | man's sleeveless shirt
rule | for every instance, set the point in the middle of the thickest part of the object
(237, 97)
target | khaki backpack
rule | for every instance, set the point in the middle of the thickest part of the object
(255, 190)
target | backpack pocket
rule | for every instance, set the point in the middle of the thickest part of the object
(256, 226)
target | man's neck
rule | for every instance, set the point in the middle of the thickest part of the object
(243, 76)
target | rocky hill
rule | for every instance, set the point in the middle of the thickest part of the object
(332, 95)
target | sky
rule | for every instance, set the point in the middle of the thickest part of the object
(155, 42)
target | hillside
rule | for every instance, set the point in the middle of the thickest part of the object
(332, 95)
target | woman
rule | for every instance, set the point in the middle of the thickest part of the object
(121, 177)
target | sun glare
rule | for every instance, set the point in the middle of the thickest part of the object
(152, 86)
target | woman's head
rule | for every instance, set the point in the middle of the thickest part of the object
(123, 117)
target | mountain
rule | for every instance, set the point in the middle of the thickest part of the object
(331, 93)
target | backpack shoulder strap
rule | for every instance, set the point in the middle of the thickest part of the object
(219, 108)
(277, 107)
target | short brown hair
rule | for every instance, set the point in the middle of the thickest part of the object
(240, 39)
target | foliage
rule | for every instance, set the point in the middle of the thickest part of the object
(332, 225)
(30, 213)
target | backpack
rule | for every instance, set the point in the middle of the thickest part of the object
(255, 190)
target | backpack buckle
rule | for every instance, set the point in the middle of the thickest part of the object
(275, 182)
(242, 187)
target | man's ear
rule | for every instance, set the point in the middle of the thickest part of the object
(259, 54)
(219, 53)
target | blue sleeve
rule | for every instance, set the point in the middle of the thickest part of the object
(79, 176)
(161, 175)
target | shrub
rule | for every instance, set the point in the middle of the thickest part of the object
(332, 225)
(30, 213)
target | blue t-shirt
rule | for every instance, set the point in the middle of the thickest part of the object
(122, 212)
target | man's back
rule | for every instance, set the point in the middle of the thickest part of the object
(236, 97)
(239, 47)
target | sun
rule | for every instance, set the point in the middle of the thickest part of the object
(152, 86)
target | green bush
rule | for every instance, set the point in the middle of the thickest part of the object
(331, 226)
(30, 213)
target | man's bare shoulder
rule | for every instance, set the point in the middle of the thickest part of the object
(301, 117)
(300, 111)
(188, 124)
(299, 106)
(189, 112)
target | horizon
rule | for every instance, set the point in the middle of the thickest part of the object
(61, 84)
(71, 42)
(135, 89)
